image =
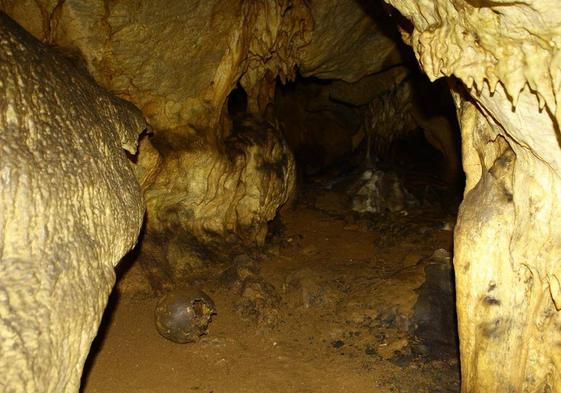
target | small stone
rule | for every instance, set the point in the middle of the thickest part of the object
(337, 344)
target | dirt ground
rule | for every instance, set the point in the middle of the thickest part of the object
(329, 306)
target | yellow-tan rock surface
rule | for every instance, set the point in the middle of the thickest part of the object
(70, 208)
(507, 56)
(178, 61)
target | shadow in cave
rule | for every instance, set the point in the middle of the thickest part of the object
(399, 179)
(99, 340)
(113, 302)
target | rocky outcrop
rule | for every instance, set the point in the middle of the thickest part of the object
(506, 55)
(178, 61)
(255, 172)
(216, 199)
(70, 208)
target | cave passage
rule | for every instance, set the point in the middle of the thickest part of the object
(353, 289)
(264, 196)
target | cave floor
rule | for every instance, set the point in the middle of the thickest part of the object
(329, 311)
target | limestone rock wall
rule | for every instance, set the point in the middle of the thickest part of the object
(349, 41)
(280, 31)
(70, 208)
(224, 198)
(506, 56)
(506, 248)
(483, 42)
(178, 61)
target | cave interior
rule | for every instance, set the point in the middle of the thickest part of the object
(279, 196)
(354, 277)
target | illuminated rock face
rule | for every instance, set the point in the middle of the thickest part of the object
(507, 240)
(178, 61)
(216, 198)
(70, 208)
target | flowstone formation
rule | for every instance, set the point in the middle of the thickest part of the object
(70, 208)
(203, 180)
(506, 57)
(226, 198)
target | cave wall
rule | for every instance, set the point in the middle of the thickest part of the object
(70, 208)
(204, 184)
(203, 180)
(506, 59)
(177, 61)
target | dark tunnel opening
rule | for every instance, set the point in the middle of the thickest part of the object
(335, 128)
(400, 178)
(237, 102)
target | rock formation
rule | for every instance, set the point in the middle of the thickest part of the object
(204, 197)
(506, 56)
(70, 208)
(210, 182)
(178, 62)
